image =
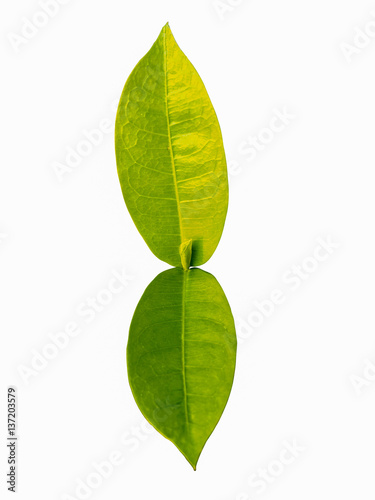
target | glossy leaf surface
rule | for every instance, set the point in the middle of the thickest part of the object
(170, 156)
(181, 357)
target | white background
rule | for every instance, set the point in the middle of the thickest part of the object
(306, 373)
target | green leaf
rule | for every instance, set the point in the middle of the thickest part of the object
(170, 156)
(181, 357)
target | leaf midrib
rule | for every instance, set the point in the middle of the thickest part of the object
(169, 138)
(183, 345)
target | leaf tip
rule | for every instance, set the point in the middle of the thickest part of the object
(166, 29)
(192, 458)
(167, 34)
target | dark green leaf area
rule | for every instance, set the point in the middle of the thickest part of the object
(181, 356)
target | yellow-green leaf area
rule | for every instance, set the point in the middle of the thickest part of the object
(170, 156)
